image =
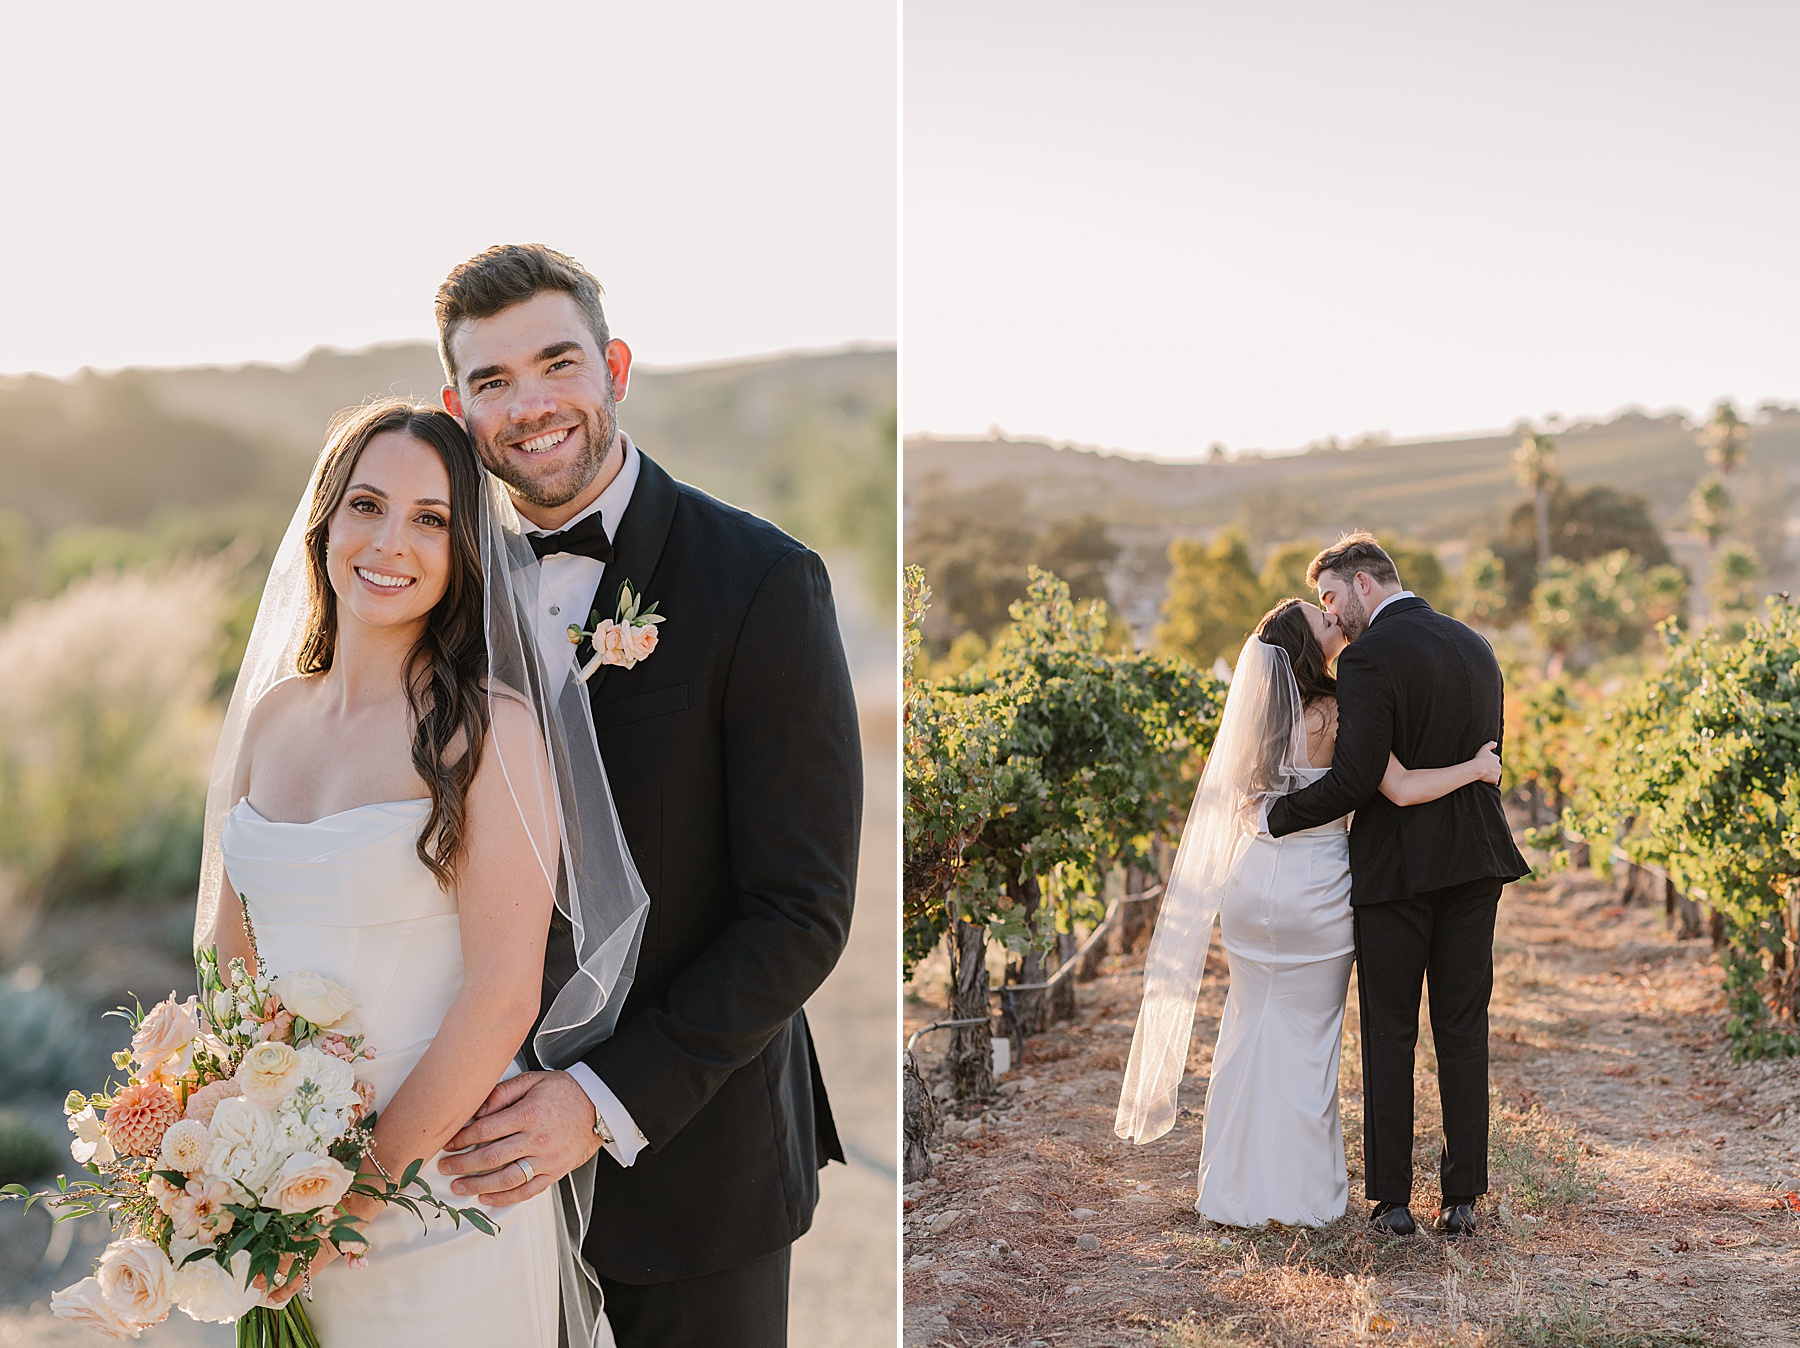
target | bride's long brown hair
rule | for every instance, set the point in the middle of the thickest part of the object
(446, 667)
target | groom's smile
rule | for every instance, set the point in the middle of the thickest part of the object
(536, 387)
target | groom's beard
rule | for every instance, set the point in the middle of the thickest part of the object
(599, 436)
(1352, 616)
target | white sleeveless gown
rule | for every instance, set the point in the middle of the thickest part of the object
(1273, 1147)
(347, 897)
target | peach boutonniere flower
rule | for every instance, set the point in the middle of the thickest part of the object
(623, 640)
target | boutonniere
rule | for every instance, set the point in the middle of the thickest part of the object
(623, 640)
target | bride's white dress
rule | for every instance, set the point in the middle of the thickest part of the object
(347, 897)
(1273, 1147)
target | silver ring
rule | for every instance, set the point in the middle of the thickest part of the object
(525, 1165)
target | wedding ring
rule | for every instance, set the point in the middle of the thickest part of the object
(525, 1165)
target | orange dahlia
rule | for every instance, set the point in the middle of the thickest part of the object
(139, 1117)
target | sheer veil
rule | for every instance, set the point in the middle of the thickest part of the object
(1260, 751)
(598, 891)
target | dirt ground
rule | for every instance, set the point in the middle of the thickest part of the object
(1643, 1184)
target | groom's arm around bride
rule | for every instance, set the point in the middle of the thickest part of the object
(734, 757)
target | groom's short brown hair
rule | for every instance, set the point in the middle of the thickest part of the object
(1352, 553)
(509, 274)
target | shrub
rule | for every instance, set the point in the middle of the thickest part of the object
(43, 1039)
(106, 727)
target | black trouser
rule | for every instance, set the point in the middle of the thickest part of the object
(744, 1307)
(1446, 936)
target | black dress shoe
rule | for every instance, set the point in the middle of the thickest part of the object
(1394, 1218)
(1455, 1221)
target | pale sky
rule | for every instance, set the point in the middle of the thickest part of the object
(1149, 224)
(189, 183)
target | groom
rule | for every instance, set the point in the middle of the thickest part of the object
(735, 763)
(1425, 880)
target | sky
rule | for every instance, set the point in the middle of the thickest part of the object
(1152, 224)
(197, 183)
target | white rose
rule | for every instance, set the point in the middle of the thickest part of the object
(224, 1007)
(244, 1137)
(308, 1182)
(83, 1304)
(90, 1144)
(313, 997)
(137, 1280)
(269, 1073)
(185, 1145)
(205, 1290)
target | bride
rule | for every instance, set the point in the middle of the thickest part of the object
(391, 808)
(1272, 1148)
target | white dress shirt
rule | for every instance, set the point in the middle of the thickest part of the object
(1403, 594)
(567, 585)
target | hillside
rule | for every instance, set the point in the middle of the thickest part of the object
(1447, 491)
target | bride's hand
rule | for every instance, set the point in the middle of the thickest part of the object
(1487, 764)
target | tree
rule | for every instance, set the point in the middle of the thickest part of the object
(1481, 597)
(1215, 598)
(1734, 591)
(1583, 611)
(1711, 507)
(1081, 552)
(1726, 438)
(1584, 525)
(1420, 571)
(1536, 459)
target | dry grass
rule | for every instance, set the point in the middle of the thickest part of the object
(1635, 1174)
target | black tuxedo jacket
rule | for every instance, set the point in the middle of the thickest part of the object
(1428, 688)
(736, 765)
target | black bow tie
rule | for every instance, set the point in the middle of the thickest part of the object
(587, 538)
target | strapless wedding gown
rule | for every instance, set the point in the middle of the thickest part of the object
(347, 897)
(1273, 1147)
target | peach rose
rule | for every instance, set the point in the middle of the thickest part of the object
(85, 1305)
(643, 641)
(137, 1280)
(139, 1117)
(269, 1073)
(163, 1042)
(307, 1182)
(611, 644)
(204, 1101)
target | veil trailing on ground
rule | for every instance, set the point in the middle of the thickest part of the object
(598, 892)
(1260, 751)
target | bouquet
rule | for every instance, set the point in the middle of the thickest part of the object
(223, 1159)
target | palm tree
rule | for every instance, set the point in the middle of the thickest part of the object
(1726, 438)
(1536, 457)
(1711, 505)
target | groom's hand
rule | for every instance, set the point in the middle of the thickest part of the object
(544, 1119)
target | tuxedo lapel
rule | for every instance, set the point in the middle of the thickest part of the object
(643, 531)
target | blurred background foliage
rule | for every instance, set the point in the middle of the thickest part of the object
(139, 510)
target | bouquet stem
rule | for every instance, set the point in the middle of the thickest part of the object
(287, 1327)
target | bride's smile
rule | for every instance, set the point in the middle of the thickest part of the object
(388, 547)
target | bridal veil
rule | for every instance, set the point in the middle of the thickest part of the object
(1259, 752)
(596, 883)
